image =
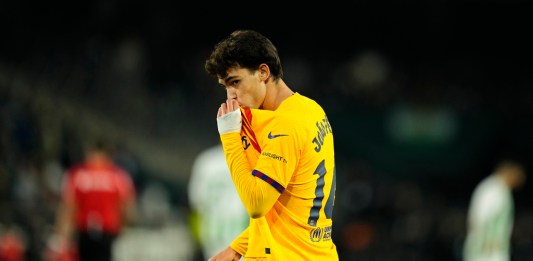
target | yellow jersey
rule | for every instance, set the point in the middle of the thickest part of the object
(291, 149)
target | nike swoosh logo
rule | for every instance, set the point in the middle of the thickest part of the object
(270, 136)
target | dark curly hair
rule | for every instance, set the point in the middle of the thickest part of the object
(245, 49)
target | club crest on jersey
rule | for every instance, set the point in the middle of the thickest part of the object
(245, 142)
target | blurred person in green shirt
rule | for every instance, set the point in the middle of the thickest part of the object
(491, 214)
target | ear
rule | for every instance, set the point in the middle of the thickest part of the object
(264, 72)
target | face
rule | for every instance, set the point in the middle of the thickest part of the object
(247, 87)
(518, 177)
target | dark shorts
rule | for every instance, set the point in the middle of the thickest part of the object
(95, 246)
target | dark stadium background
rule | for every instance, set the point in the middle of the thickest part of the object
(423, 98)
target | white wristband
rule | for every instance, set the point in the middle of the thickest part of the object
(230, 122)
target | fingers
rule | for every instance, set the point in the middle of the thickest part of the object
(231, 105)
(226, 107)
(234, 104)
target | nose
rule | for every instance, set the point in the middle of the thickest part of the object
(230, 92)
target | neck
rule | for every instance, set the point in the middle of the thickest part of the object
(277, 92)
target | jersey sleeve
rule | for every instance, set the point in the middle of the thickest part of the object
(257, 196)
(240, 244)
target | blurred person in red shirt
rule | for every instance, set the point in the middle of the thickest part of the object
(98, 200)
(12, 245)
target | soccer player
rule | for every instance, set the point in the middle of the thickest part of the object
(217, 224)
(491, 214)
(279, 148)
(98, 200)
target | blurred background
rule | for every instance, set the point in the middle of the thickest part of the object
(424, 99)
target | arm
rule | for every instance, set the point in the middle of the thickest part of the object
(257, 195)
(128, 207)
(65, 220)
(129, 212)
(64, 226)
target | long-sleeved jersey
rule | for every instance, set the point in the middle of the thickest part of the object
(283, 167)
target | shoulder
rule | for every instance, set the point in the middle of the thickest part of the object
(299, 108)
(307, 101)
(490, 189)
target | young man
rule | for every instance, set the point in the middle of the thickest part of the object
(491, 214)
(216, 224)
(279, 148)
(98, 200)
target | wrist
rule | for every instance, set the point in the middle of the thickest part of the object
(230, 122)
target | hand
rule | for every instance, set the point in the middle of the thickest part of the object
(229, 117)
(226, 107)
(227, 254)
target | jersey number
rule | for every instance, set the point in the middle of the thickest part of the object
(319, 195)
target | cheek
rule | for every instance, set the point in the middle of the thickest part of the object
(251, 96)
(246, 99)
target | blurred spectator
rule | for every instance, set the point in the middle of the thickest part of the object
(218, 214)
(491, 214)
(98, 201)
(12, 244)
